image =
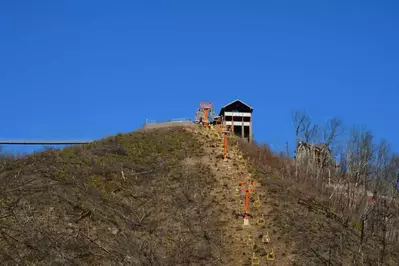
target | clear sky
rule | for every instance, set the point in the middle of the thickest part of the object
(82, 69)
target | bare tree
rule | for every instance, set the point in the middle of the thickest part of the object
(305, 129)
(298, 118)
(310, 130)
(364, 193)
(332, 130)
(360, 154)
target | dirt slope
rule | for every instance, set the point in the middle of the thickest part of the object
(244, 244)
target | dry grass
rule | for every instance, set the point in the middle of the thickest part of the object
(311, 231)
(265, 160)
(144, 199)
(123, 200)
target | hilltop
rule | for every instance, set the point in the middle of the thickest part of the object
(166, 197)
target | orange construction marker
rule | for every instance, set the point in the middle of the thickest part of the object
(225, 147)
(247, 187)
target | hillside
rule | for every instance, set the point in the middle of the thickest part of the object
(125, 199)
(162, 197)
(309, 226)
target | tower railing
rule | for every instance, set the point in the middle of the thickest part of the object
(173, 120)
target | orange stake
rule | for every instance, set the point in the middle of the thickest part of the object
(205, 113)
(247, 187)
(206, 117)
(246, 204)
(225, 147)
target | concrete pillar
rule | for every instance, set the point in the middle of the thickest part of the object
(242, 127)
(232, 124)
(250, 131)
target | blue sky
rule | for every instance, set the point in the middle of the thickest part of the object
(82, 69)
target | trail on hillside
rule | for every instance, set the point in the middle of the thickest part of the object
(244, 244)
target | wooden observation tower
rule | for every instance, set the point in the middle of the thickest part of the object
(205, 114)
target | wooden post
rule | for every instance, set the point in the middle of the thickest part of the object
(206, 118)
(247, 187)
(246, 204)
(225, 146)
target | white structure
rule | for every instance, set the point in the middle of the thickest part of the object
(239, 115)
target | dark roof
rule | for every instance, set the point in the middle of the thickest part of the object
(321, 146)
(236, 104)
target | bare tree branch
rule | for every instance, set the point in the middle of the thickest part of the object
(305, 129)
(332, 130)
(298, 119)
